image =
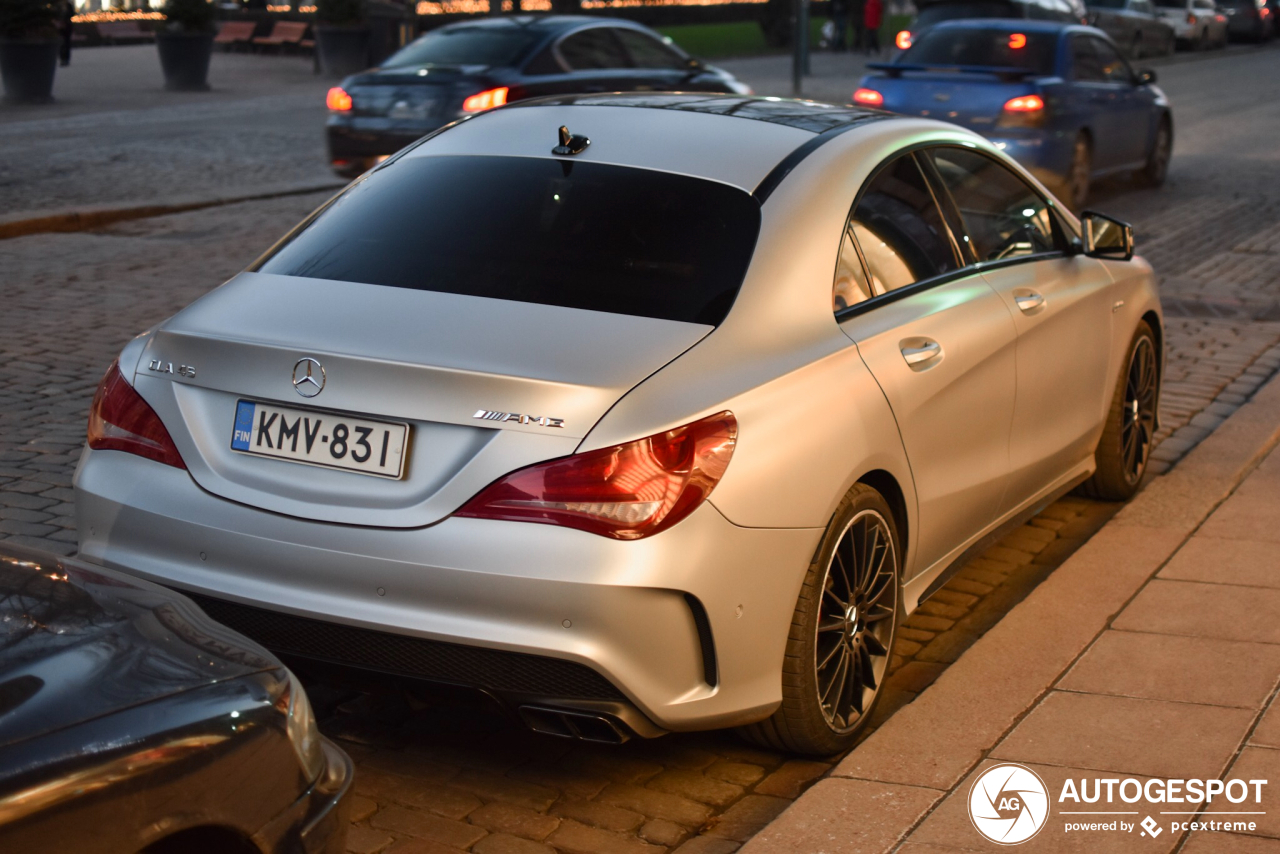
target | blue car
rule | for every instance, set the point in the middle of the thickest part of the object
(1059, 98)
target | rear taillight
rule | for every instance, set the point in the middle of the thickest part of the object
(903, 39)
(625, 492)
(486, 100)
(120, 420)
(868, 98)
(338, 100)
(1023, 111)
(1191, 18)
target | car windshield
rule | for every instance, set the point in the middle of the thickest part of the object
(466, 46)
(1003, 47)
(1107, 4)
(554, 232)
(938, 12)
(1172, 4)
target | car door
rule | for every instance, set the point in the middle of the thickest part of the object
(1061, 307)
(941, 344)
(1128, 104)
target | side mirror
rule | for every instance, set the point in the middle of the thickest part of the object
(1146, 77)
(1106, 237)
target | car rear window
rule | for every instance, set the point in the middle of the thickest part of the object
(998, 46)
(936, 13)
(1107, 4)
(554, 232)
(466, 46)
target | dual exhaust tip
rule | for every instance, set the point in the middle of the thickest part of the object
(583, 726)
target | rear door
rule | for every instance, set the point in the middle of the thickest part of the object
(941, 344)
(1060, 306)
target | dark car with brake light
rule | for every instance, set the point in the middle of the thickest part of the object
(467, 68)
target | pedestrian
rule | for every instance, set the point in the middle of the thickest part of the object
(64, 29)
(871, 19)
(857, 10)
(840, 21)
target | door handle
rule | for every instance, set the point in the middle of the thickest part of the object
(923, 352)
(1029, 302)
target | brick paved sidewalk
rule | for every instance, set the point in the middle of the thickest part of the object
(1153, 653)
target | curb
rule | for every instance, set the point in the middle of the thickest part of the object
(85, 219)
(881, 791)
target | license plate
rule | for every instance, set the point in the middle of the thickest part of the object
(329, 439)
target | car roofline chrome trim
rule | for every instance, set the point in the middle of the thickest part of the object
(788, 164)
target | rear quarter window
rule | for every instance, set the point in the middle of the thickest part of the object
(553, 232)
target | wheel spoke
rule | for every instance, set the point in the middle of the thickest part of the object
(839, 672)
(844, 606)
(835, 625)
(836, 647)
(873, 644)
(868, 672)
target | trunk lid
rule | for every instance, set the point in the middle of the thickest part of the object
(971, 99)
(432, 360)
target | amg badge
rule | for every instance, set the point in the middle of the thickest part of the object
(487, 415)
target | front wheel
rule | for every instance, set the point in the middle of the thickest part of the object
(842, 631)
(1156, 169)
(1128, 436)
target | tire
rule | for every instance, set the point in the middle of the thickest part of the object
(1078, 175)
(1125, 447)
(835, 635)
(1155, 171)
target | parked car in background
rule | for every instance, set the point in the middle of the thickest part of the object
(1197, 24)
(1058, 98)
(1248, 20)
(931, 12)
(1134, 26)
(466, 68)
(130, 721)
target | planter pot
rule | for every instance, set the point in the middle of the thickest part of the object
(27, 68)
(185, 60)
(342, 50)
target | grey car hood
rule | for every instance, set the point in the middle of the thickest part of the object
(431, 359)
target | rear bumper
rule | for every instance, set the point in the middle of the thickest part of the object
(351, 139)
(623, 610)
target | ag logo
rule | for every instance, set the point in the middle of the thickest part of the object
(1008, 803)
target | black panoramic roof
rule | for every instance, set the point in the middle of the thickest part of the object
(546, 23)
(803, 115)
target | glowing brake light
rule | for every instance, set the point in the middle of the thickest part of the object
(868, 98)
(902, 39)
(1191, 18)
(338, 100)
(486, 100)
(1024, 104)
(626, 492)
(120, 420)
(1017, 41)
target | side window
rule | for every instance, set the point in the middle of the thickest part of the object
(899, 228)
(1114, 68)
(648, 52)
(593, 48)
(1085, 65)
(851, 285)
(1003, 217)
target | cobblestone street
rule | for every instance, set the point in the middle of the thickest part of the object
(443, 773)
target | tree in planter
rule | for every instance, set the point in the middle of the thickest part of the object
(185, 42)
(342, 39)
(28, 48)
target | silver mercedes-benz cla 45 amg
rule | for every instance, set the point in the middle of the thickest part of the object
(638, 412)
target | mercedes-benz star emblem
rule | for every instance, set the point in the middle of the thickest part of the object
(308, 377)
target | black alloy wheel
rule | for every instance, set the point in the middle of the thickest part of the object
(1155, 171)
(1139, 426)
(1128, 435)
(838, 649)
(855, 625)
